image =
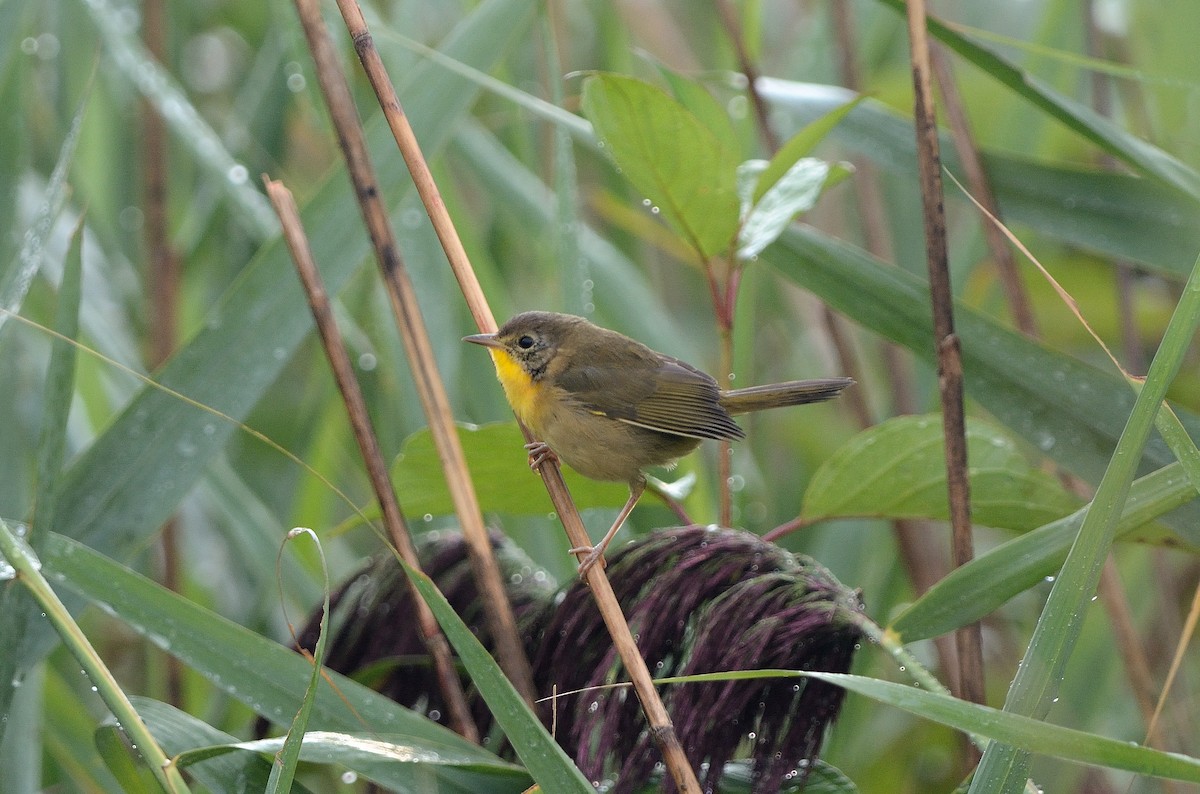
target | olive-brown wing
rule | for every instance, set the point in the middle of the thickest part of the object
(664, 394)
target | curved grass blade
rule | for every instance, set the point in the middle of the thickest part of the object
(17, 609)
(283, 770)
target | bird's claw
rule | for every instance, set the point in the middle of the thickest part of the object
(539, 453)
(594, 556)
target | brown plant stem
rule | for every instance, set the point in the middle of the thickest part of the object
(364, 433)
(916, 546)
(510, 651)
(981, 187)
(733, 30)
(660, 723)
(968, 640)
(163, 278)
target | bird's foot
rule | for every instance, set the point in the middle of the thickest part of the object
(539, 453)
(593, 555)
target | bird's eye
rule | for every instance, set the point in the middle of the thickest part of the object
(525, 342)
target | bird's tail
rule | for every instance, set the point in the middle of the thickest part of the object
(778, 395)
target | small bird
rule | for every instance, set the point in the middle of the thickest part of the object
(609, 407)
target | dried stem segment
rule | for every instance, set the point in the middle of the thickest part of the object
(949, 356)
(368, 444)
(415, 337)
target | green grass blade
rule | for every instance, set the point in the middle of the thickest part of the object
(16, 283)
(974, 590)
(1142, 156)
(542, 756)
(283, 770)
(1031, 734)
(143, 73)
(28, 570)
(1106, 212)
(17, 609)
(1003, 766)
(179, 731)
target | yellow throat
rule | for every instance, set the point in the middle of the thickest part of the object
(520, 389)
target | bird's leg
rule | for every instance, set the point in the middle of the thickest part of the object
(595, 554)
(539, 453)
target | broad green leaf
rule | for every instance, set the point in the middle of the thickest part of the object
(800, 146)
(621, 289)
(793, 193)
(1035, 687)
(537, 749)
(499, 467)
(1142, 156)
(1070, 411)
(1033, 735)
(264, 675)
(897, 469)
(972, 591)
(669, 156)
(704, 106)
(1106, 212)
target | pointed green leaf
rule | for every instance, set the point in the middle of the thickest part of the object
(897, 469)
(800, 146)
(669, 156)
(793, 193)
(703, 105)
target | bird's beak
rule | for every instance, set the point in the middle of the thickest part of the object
(487, 340)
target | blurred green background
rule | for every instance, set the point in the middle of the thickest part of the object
(548, 224)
